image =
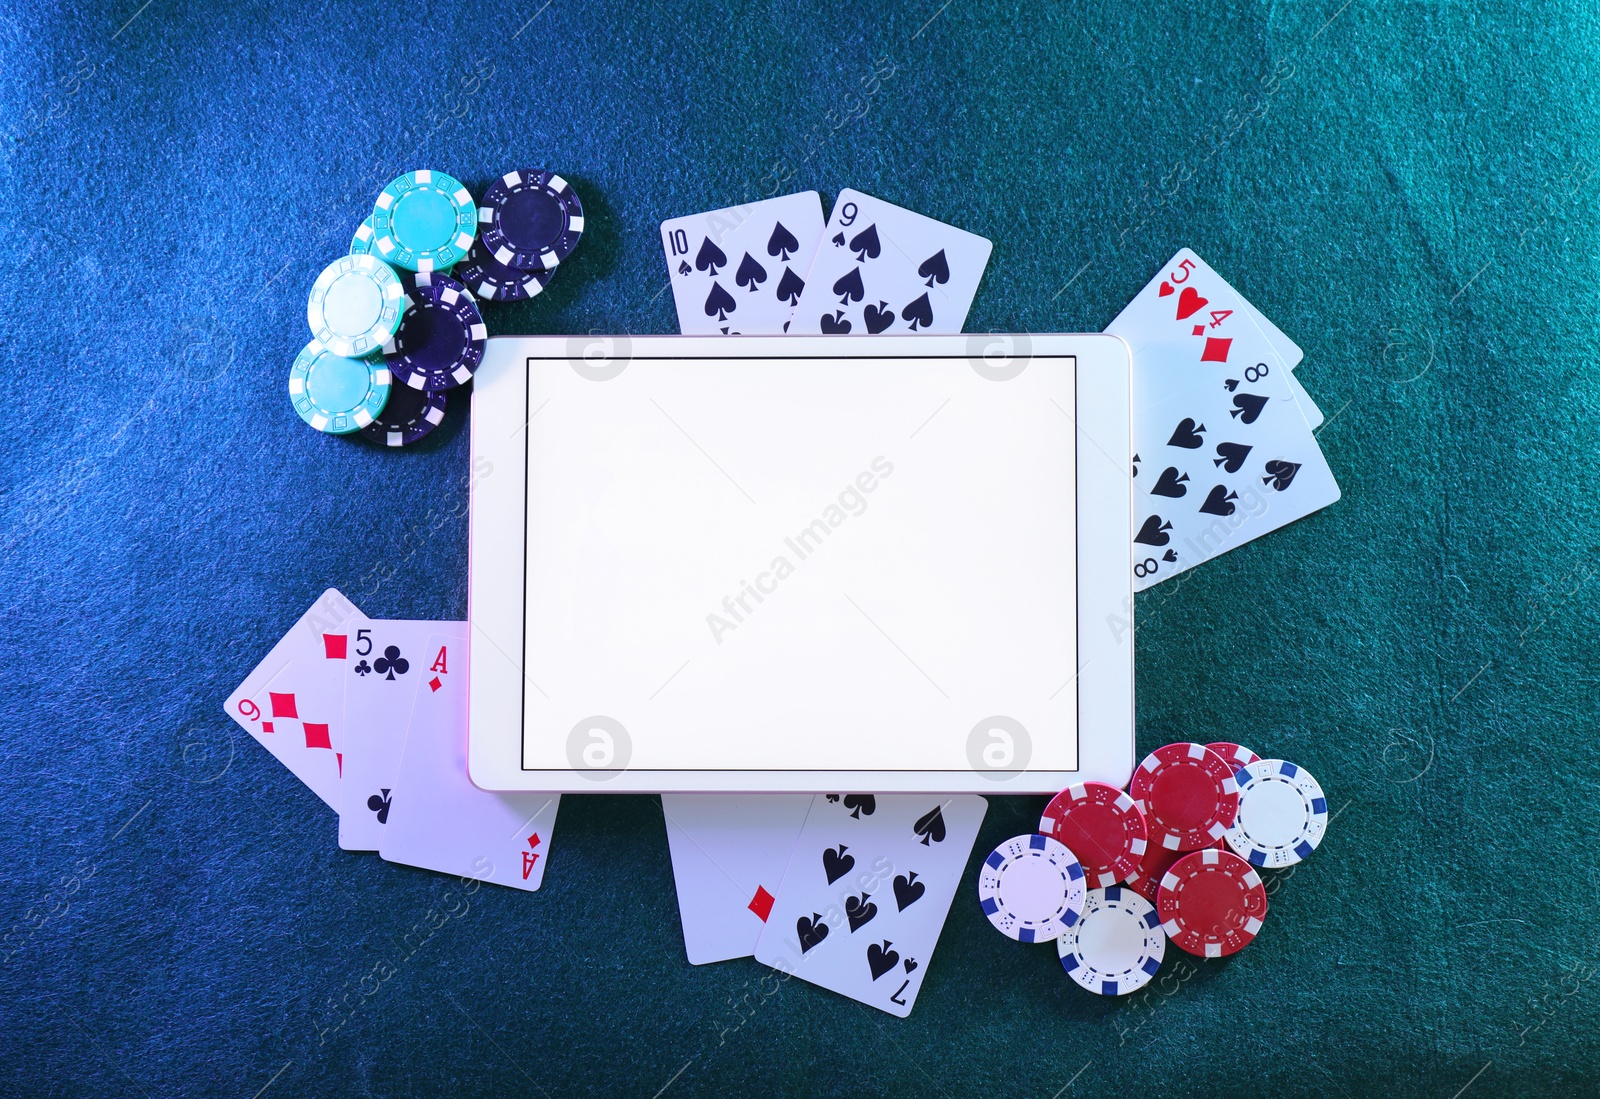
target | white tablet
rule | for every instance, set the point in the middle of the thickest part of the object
(801, 563)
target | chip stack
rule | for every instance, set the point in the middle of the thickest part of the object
(1112, 876)
(402, 307)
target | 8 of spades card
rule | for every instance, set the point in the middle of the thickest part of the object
(867, 890)
(881, 268)
(385, 662)
(1222, 453)
(740, 270)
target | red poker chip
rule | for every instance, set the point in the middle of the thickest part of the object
(1146, 881)
(1235, 755)
(1101, 826)
(1211, 903)
(1188, 795)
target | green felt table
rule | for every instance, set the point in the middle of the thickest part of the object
(1408, 190)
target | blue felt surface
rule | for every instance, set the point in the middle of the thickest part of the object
(1408, 190)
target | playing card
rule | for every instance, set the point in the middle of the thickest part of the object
(1308, 407)
(438, 819)
(867, 891)
(1222, 451)
(740, 270)
(729, 852)
(293, 702)
(884, 269)
(385, 662)
(1289, 354)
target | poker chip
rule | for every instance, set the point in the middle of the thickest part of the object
(1282, 814)
(1211, 903)
(1117, 944)
(355, 305)
(408, 416)
(1101, 826)
(530, 219)
(334, 393)
(423, 221)
(361, 243)
(1188, 795)
(492, 280)
(1031, 888)
(1234, 755)
(1146, 880)
(440, 341)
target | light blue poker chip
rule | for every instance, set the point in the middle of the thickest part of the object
(334, 393)
(1031, 888)
(1116, 945)
(361, 243)
(1283, 814)
(424, 221)
(355, 305)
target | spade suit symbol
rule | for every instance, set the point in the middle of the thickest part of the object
(877, 317)
(1247, 406)
(1154, 532)
(835, 325)
(750, 274)
(709, 258)
(782, 243)
(1170, 483)
(811, 931)
(1230, 456)
(919, 314)
(1219, 501)
(865, 244)
(1187, 434)
(849, 287)
(935, 269)
(719, 303)
(1280, 474)
(789, 286)
(836, 864)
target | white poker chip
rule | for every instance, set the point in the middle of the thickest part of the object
(1282, 814)
(1031, 888)
(1117, 944)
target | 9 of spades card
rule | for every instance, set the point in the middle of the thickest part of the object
(867, 890)
(740, 270)
(292, 703)
(385, 662)
(1222, 451)
(881, 268)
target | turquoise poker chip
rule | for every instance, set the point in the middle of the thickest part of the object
(334, 393)
(424, 221)
(355, 305)
(361, 243)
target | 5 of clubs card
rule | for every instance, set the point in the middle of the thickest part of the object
(385, 662)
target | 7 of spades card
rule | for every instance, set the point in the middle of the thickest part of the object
(867, 890)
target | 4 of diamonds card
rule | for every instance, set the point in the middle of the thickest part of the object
(739, 271)
(1222, 451)
(291, 703)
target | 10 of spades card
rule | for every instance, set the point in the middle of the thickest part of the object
(740, 271)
